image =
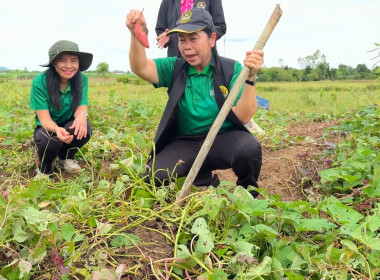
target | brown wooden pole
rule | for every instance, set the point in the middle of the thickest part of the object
(271, 24)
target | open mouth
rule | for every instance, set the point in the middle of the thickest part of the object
(191, 57)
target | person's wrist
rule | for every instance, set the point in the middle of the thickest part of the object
(251, 80)
(83, 114)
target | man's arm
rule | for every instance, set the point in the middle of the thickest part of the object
(140, 65)
(162, 18)
(216, 11)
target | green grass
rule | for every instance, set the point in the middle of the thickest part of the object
(80, 226)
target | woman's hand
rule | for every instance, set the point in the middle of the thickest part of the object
(132, 18)
(254, 60)
(80, 125)
(63, 135)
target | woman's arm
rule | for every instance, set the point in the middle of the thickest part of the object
(247, 104)
(50, 125)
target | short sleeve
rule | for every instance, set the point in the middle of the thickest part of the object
(84, 100)
(165, 68)
(39, 98)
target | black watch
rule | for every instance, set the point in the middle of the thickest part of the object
(251, 83)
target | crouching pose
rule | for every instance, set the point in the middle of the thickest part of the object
(197, 85)
(59, 97)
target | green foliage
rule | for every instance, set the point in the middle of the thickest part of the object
(102, 68)
(131, 79)
(83, 226)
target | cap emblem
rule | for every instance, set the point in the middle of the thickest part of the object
(201, 5)
(186, 16)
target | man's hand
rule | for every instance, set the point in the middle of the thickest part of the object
(162, 39)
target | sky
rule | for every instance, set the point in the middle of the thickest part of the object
(343, 30)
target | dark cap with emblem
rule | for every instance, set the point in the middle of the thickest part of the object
(64, 46)
(192, 21)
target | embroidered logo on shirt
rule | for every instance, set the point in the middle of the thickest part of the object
(224, 90)
(185, 17)
(201, 5)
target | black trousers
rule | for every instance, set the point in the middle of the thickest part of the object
(49, 146)
(234, 149)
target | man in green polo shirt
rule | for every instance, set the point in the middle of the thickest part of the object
(197, 86)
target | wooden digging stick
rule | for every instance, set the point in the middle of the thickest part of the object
(271, 24)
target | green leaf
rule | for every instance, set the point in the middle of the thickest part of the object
(350, 245)
(366, 237)
(264, 230)
(373, 222)
(67, 231)
(78, 237)
(277, 269)
(350, 178)
(341, 212)
(183, 252)
(244, 247)
(19, 234)
(34, 217)
(200, 226)
(25, 267)
(125, 240)
(294, 276)
(205, 243)
(265, 266)
(332, 174)
(314, 225)
(220, 274)
(92, 222)
(145, 197)
(103, 185)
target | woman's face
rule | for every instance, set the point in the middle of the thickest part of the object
(66, 65)
(196, 48)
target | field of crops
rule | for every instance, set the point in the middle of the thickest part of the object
(317, 216)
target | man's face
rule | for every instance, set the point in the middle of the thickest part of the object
(196, 48)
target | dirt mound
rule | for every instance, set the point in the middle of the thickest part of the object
(287, 171)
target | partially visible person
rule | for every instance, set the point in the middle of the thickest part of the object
(171, 10)
(59, 98)
(197, 85)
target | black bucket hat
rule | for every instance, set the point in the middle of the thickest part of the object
(192, 21)
(64, 46)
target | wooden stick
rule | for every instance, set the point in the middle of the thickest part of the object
(271, 24)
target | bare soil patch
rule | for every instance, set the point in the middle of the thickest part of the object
(287, 171)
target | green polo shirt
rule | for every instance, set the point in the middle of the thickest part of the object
(197, 107)
(40, 100)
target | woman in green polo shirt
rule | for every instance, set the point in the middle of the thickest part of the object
(196, 93)
(59, 97)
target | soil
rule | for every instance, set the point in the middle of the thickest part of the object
(288, 170)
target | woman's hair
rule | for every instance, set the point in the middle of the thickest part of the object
(53, 87)
(214, 51)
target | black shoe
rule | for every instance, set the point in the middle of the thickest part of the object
(215, 181)
(254, 193)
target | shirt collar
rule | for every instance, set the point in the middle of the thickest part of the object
(207, 71)
(67, 89)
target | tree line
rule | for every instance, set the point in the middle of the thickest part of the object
(315, 68)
